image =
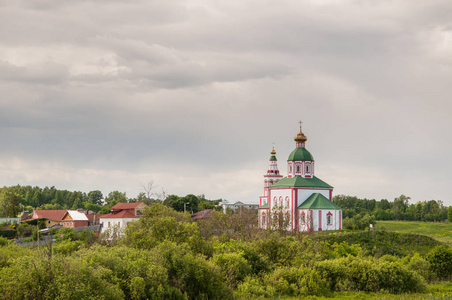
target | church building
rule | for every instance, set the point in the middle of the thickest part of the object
(301, 201)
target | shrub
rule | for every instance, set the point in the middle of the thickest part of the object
(293, 281)
(440, 259)
(233, 267)
(190, 273)
(369, 275)
(420, 265)
(3, 241)
(67, 247)
(252, 287)
(358, 222)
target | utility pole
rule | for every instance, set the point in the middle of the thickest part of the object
(37, 232)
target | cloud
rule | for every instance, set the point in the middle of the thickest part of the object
(193, 94)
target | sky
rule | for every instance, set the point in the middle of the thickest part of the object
(110, 95)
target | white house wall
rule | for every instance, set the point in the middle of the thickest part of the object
(319, 219)
(121, 223)
(304, 194)
(278, 194)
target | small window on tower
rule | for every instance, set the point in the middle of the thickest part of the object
(290, 169)
(307, 169)
(298, 169)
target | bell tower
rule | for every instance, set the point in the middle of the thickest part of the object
(272, 175)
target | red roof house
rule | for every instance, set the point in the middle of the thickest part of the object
(53, 216)
(121, 214)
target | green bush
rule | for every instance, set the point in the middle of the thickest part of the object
(358, 222)
(159, 224)
(7, 233)
(440, 259)
(3, 241)
(233, 267)
(293, 281)
(369, 275)
(191, 273)
(252, 287)
(67, 247)
(35, 278)
(420, 265)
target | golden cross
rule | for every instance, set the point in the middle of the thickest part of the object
(300, 124)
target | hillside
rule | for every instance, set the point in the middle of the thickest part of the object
(440, 231)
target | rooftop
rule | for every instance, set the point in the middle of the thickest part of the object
(301, 182)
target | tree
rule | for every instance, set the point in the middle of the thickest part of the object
(148, 188)
(116, 197)
(95, 197)
(280, 218)
(449, 213)
(399, 206)
(9, 203)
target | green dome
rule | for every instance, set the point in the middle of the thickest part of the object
(300, 154)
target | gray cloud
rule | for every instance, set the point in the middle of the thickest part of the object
(193, 94)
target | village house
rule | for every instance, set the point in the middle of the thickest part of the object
(74, 219)
(53, 217)
(121, 214)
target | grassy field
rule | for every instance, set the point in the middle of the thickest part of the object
(440, 231)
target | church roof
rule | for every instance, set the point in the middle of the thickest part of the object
(273, 158)
(264, 206)
(318, 201)
(301, 182)
(300, 154)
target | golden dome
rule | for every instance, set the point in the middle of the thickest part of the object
(273, 151)
(300, 137)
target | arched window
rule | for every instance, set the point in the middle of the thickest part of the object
(275, 201)
(307, 169)
(298, 169)
(280, 201)
(303, 218)
(287, 202)
(264, 220)
(329, 218)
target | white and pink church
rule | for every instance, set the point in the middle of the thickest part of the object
(304, 200)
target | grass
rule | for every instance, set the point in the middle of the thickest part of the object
(440, 231)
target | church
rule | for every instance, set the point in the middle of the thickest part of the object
(301, 201)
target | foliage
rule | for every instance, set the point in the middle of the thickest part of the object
(420, 265)
(440, 231)
(280, 218)
(191, 273)
(296, 281)
(440, 260)
(233, 266)
(369, 275)
(399, 209)
(358, 222)
(381, 242)
(159, 223)
(3, 241)
(240, 224)
(165, 255)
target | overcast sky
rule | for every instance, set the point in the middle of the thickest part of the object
(191, 94)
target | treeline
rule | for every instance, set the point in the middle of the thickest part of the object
(399, 209)
(165, 255)
(17, 198)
